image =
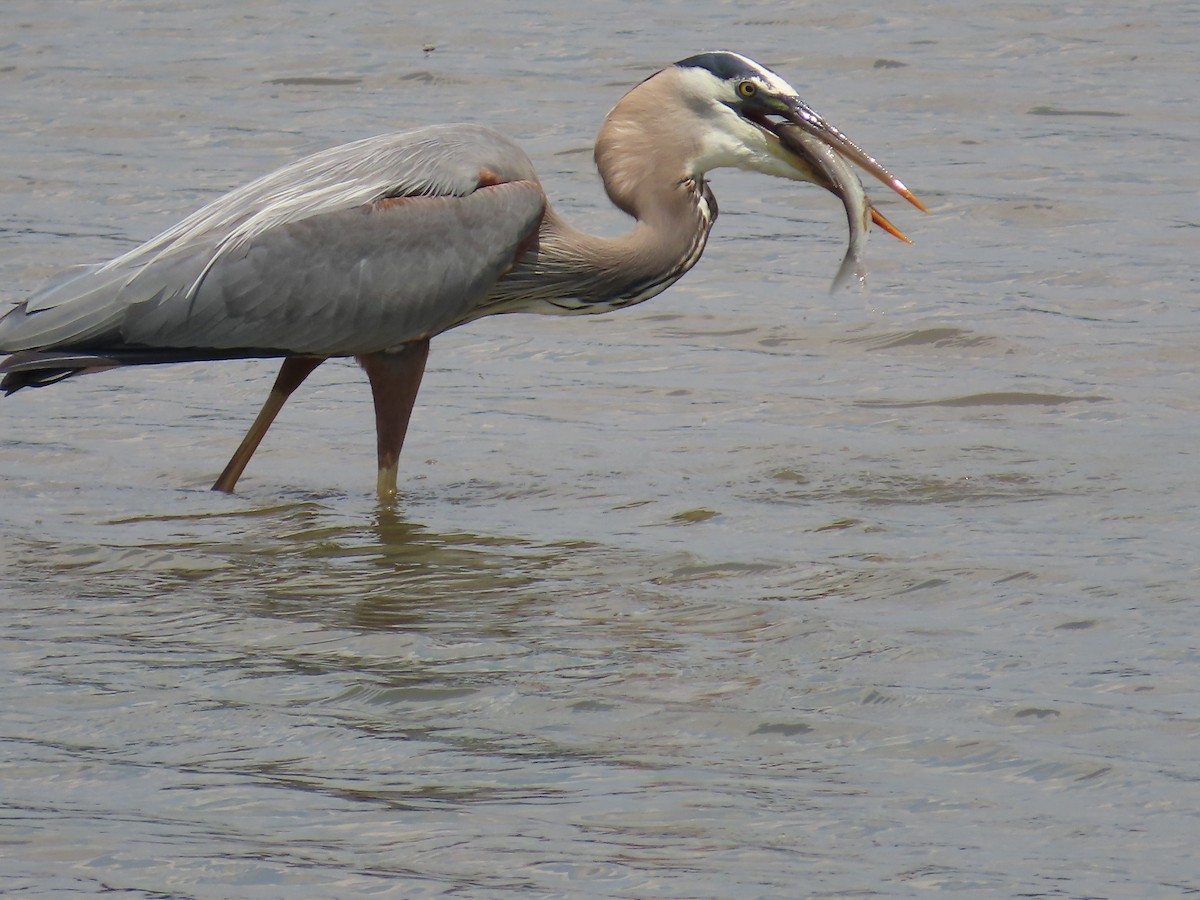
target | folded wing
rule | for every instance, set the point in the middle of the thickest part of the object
(350, 251)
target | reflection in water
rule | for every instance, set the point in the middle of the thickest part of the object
(329, 692)
(298, 560)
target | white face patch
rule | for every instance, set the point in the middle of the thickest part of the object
(769, 79)
(724, 137)
(701, 84)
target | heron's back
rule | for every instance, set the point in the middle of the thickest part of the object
(348, 251)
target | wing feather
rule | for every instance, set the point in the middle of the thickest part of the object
(306, 258)
(349, 282)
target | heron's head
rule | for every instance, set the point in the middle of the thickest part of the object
(722, 109)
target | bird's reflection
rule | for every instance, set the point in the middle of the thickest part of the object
(322, 560)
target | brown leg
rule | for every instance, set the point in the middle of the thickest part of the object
(291, 375)
(395, 379)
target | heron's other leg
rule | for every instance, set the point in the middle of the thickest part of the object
(291, 375)
(395, 379)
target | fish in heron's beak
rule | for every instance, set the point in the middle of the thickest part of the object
(822, 154)
(800, 115)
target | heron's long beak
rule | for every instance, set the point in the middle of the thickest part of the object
(801, 114)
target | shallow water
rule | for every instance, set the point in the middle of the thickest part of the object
(748, 591)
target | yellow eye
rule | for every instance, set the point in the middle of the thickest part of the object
(747, 89)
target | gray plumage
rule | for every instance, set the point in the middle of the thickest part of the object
(372, 248)
(305, 260)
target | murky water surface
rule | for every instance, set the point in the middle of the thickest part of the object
(750, 591)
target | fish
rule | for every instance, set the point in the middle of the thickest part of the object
(834, 173)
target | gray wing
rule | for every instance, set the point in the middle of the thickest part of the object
(349, 251)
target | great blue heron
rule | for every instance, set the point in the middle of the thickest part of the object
(373, 248)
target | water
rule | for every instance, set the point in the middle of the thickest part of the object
(746, 592)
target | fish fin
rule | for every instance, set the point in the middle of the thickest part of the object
(852, 267)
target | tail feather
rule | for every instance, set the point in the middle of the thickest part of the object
(39, 368)
(33, 368)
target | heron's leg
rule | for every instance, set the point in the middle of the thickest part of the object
(291, 375)
(395, 379)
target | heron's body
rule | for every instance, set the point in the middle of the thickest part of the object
(373, 248)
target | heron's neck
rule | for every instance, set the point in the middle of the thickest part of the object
(569, 270)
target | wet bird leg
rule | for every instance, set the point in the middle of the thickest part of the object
(291, 375)
(395, 379)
